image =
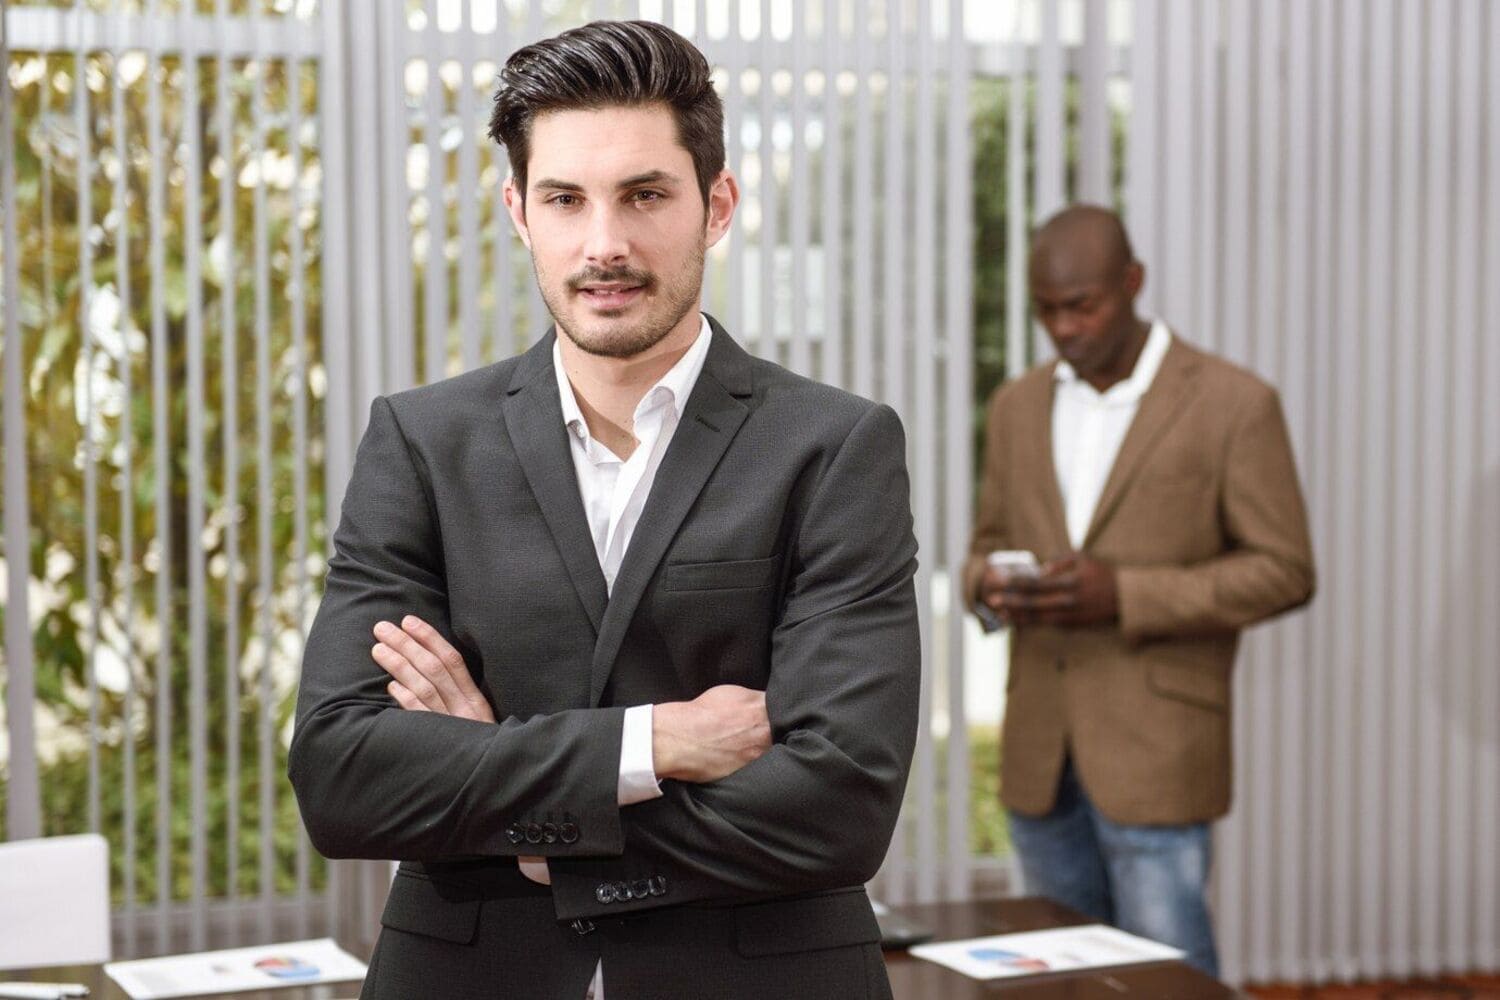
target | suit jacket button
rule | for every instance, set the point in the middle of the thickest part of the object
(568, 832)
(657, 885)
(549, 832)
(533, 833)
(514, 833)
(640, 888)
(605, 893)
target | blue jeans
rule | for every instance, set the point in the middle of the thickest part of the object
(1148, 880)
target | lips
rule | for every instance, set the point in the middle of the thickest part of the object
(611, 289)
(610, 296)
(1072, 350)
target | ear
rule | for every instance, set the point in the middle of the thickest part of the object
(516, 206)
(723, 199)
(1135, 278)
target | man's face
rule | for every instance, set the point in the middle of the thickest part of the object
(1087, 307)
(616, 225)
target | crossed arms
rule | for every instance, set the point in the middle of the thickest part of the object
(708, 738)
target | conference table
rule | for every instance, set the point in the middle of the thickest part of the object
(911, 978)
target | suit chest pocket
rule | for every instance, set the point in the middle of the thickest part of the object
(734, 574)
(715, 618)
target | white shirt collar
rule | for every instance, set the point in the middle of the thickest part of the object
(675, 386)
(1128, 390)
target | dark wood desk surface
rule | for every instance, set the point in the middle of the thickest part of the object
(914, 979)
(911, 978)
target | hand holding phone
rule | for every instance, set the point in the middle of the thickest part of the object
(1014, 562)
(1002, 567)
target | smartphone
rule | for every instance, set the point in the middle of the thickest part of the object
(1015, 562)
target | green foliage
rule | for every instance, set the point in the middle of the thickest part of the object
(143, 513)
(988, 833)
(990, 99)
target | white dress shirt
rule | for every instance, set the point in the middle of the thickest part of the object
(1089, 426)
(614, 493)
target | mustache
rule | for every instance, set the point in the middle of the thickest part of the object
(615, 275)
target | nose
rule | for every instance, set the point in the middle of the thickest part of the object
(1063, 324)
(605, 242)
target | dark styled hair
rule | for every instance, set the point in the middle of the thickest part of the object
(609, 64)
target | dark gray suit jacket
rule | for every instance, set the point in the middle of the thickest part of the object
(775, 551)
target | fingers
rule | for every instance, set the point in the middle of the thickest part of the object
(1051, 600)
(394, 662)
(432, 640)
(1021, 607)
(428, 669)
(435, 685)
(1062, 564)
(405, 698)
(1049, 606)
(1047, 583)
(472, 703)
(993, 580)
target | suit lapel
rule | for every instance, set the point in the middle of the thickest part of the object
(1158, 411)
(712, 417)
(534, 420)
(1036, 457)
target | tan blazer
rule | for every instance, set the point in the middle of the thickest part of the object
(1203, 518)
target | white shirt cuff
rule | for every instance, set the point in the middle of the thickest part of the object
(637, 767)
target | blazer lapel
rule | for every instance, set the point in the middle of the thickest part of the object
(1036, 456)
(534, 420)
(1038, 476)
(713, 415)
(1158, 411)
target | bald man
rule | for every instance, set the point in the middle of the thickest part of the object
(1155, 485)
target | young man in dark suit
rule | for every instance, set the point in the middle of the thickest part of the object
(642, 694)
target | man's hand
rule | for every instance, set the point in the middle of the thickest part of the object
(427, 673)
(710, 737)
(1073, 591)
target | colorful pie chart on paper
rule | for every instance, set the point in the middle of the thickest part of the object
(286, 967)
(1009, 959)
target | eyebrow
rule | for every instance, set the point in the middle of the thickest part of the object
(557, 185)
(649, 177)
(660, 177)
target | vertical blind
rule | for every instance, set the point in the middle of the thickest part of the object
(1315, 190)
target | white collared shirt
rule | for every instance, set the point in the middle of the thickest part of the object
(1089, 426)
(614, 493)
